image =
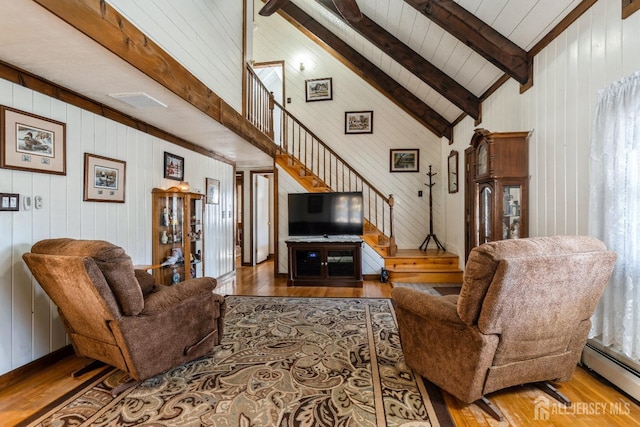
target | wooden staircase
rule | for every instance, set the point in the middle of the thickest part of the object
(320, 169)
(302, 174)
(403, 265)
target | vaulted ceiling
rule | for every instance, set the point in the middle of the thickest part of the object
(436, 59)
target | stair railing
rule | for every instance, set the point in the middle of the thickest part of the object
(303, 146)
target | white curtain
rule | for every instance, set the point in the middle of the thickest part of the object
(614, 214)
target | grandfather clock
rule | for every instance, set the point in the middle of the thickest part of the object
(496, 186)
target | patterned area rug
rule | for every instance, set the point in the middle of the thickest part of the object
(284, 361)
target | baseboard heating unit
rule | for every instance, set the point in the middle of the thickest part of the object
(625, 376)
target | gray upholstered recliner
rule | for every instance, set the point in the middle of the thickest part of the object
(522, 316)
(117, 315)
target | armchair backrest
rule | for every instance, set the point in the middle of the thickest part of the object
(537, 293)
(112, 262)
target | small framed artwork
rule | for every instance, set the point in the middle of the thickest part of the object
(358, 122)
(453, 171)
(213, 191)
(104, 179)
(319, 89)
(404, 160)
(173, 167)
(31, 143)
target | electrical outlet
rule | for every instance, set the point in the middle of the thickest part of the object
(419, 193)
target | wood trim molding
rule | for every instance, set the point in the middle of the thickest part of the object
(562, 26)
(30, 81)
(629, 7)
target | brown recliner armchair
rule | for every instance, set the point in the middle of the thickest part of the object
(118, 315)
(522, 316)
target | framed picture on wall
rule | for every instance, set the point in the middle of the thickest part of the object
(319, 89)
(453, 171)
(404, 160)
(213, 191)
(104, 179)
(173, 167)
(31, 143)
(358, 122)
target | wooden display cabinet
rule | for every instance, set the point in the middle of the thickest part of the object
(496, 187)
(177, 234)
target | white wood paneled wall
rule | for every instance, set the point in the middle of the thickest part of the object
(29, 323)
(204, 36)
(275, 39)
(594, 52)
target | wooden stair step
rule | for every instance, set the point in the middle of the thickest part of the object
(429, 263)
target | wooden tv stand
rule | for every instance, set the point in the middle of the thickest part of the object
(325, 261)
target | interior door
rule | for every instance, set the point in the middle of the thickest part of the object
(271, 74)
(261, 218)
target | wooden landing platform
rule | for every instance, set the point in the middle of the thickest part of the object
(418, 266)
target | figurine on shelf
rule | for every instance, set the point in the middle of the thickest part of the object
(515, 229)
(176, 257)
(165, 217)
(164, 238)
(176, 277)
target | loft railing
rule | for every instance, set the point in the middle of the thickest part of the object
(303, 146)
(259, 104)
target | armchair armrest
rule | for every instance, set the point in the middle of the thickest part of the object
(438, 308)
(145, 280)
(165, 297)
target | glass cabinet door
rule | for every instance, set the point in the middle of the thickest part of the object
(483, 159)
(485, 227)
(340, 262)
(170, 209)
(511, 211)
(308, 263)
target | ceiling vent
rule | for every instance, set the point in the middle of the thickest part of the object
(138, 100)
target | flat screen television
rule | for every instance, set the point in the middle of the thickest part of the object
(318, 214)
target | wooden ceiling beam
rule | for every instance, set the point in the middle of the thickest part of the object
(416, 64)
(102, 23)
(482, 38)
(402, 97)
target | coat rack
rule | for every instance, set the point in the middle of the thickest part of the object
(425, 243)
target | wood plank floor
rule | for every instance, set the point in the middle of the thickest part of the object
(594, 402)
